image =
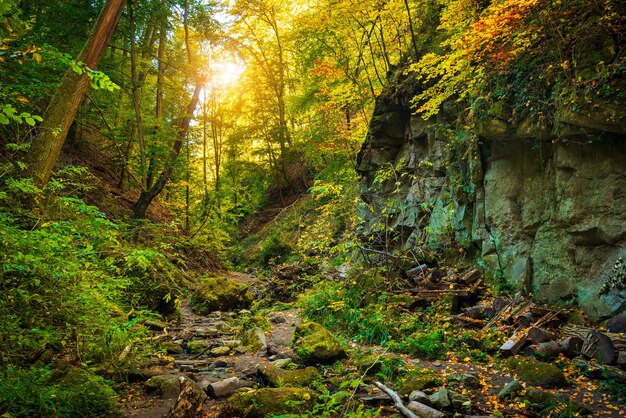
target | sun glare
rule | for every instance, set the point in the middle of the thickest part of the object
(226, 73)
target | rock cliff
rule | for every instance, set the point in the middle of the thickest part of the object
(544, 210)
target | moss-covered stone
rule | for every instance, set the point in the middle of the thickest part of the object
(197, 346)
(167, 386)
(537, 373)
(278, 377)
(546, 401)
(269, 401)
(220, 294)
(418, 379)
(254, 339)
(256, 321)
(171, 347)
(220, 351)
(315, 344)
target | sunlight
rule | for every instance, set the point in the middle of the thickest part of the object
(225, 73)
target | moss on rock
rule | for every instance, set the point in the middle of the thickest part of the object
(537, 373)
(298, 378)
(220, 294)
(268, 401)
(315, 344)
(418, 379)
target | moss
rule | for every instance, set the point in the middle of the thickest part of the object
(315, 344)
(537, 373)
(220, 294)
(418, 379)
(171, 347)
(269, 401)
(298, 378)
(254, 339)
(556, 405)
(257, 321)
(197, 347)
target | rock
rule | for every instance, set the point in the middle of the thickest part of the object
(254, 339)
(537, 373)
(510, 389)
(225, 388)
(440, 400)
(315, 344)
(470, 380)
(616, 324)
(245, 312)
(268, 401)
(420, 379)
(282, 363)
(599, 347)
(459, 401)
(546, 401)
(197, 346)
(220, 293)
(276, 318)
(167, 386)
(419, 396)
(220, 351)
(189, 401)
(231, 343)
(172, 347)
(278, 377)
(621, 359)
(241, 350)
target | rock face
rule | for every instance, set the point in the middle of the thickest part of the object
(544, 210)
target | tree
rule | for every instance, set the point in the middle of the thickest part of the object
(47, 144)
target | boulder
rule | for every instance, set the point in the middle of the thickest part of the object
(278, 377)
(189, 400)
(254, 339)
(546, 401)
(315, 344)
(440, 400)
(167, 385)
(220, 293)
(172, 347)
(459, 401)
(537, 373)
(419, 396)
(268, 401)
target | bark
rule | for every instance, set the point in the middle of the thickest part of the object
(147, 196)
(47, 144)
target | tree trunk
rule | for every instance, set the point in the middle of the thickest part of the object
(147, 196)
(46, 147)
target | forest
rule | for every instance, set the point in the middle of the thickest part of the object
(312, 208)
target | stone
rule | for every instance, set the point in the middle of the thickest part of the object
(546, 401)
(510, 389)
(231, 343)
(276, 318)
(269, 401)
(167, 386)
(537, 373)
(459, 401)
(220, 294)
(419, 379)
(621, 358)
(419, 396)
(278, 377)
(440, 400)
(172, 347)
(197, 346)
(254, 339)
(617, 324)
(314, 344)
(189, 401)
(470, 380)
(220, 351)
(282, 363)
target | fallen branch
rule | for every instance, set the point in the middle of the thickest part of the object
(396, 400)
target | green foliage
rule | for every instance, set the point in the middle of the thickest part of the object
(43, 392)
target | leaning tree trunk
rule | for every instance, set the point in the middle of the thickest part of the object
(147, 196)
(63, 107)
